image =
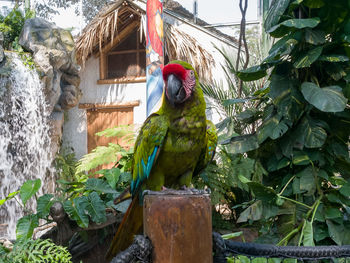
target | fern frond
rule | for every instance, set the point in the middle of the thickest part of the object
(100, 155)
(37, 251)
(124, 132)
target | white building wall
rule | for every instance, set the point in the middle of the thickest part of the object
(75, 125)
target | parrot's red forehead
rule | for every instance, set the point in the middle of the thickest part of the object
(176, 69)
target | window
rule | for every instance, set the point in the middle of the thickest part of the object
(126, 61)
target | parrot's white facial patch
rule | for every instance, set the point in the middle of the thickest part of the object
(179, 83)
(189, 83)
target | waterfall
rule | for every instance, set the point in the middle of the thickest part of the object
(24, 138)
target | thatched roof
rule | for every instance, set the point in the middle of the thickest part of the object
(110, 22)
(103, 28)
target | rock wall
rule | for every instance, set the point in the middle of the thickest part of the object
(53, 54)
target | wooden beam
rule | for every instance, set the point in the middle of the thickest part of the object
(103, 66)
(122, 105)
(121, 36)
(124, 52)
(122, 80)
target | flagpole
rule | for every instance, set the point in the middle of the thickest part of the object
(154, 54)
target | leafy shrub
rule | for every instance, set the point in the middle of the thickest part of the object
(84, 199)
(303, 138)
(11, 27)
(35, 251)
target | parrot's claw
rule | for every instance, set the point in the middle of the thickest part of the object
(195, 191)
(187, 191)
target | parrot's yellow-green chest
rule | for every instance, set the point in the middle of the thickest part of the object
(180, 153)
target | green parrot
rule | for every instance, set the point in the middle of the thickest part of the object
(174, 144)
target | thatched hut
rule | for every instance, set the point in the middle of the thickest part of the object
(111, 51)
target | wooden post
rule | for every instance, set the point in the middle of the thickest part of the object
(179, 226)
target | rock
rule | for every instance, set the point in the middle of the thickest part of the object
(54, 55)
(2, 54)
(8, 244)
(69, 79)
(70, 97)
(59, 59)
(1, 38)
(56, 129)
(39, 32)
(57, 212)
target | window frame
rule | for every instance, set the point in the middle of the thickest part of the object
(125, 33)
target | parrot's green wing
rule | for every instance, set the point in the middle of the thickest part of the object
(147, 147)
(208, 151)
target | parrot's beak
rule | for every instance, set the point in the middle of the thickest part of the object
(174, 90)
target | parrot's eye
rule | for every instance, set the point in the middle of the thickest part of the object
(191, 73)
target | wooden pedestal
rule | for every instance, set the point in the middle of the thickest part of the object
(179, 227)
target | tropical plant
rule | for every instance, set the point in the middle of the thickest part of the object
(65, 164)
(113, 153)
(239, 115)
(228, 194)
(303, 139)
(46, 9)
(11, 26)
(35, 251)
(84, 199)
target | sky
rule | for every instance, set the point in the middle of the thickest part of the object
(208, 10)
(228, 11)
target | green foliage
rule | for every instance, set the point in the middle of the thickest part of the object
(44, 204)
(28, 189)
(96, 208)
(84, 199)
(75, 209)
(65, 164)
(111, 153)
(304, 128)
(327, 99)
(25, 226)
(25, 56)
(9, 197)
(90, 7)
(87, 197)
(11, 27)
(35, 251)
(225, 176)
(94, 184)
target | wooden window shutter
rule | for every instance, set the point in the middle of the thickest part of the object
(99, 119)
